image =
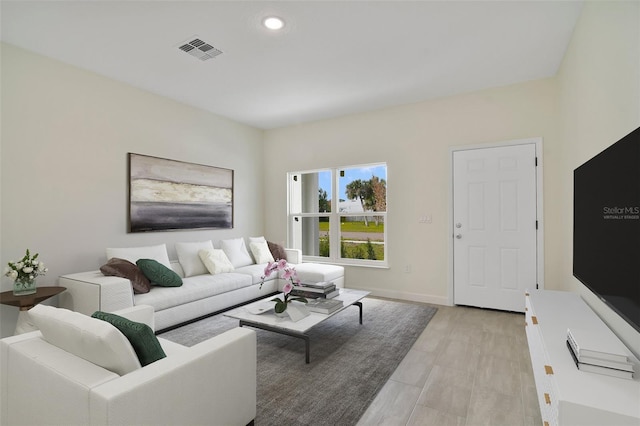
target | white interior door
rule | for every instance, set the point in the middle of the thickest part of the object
(494, 226)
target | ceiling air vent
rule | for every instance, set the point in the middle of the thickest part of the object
(199, 49)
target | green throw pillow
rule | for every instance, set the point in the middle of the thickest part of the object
(159, 274)
(141, 336)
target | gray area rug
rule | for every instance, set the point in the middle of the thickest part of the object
(349, 362)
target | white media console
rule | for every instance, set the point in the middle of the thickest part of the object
(567, 395)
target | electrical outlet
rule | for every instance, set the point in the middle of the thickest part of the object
(425, 219)
(407, 269)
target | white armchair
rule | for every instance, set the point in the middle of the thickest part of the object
(211, 383)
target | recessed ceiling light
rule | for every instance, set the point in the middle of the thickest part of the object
(273, 23)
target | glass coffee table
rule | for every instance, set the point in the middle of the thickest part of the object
(260, 315)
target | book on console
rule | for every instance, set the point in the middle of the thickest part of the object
(627, 366)
(613, 372)
(604, 346)
(325, 306)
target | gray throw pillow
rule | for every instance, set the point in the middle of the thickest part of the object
(277, 251)
(117, 267)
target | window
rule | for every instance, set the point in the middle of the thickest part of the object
(348, 228)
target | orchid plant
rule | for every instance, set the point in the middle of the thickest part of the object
(289, 274)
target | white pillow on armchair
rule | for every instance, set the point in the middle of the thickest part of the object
(89, 338)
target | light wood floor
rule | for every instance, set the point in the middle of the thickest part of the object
(469, 367)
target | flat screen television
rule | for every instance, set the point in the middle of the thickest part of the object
(606, 226)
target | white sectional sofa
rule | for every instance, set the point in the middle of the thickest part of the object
(77, 377)
(201, 293)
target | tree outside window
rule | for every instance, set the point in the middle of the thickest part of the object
(350, 229)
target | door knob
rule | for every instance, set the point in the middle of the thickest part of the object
(458, 225)
(458, 236)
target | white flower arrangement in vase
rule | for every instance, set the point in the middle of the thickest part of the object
(24, 272)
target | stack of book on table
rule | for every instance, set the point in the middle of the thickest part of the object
(592, 353)
(324, 290)
(324, 306)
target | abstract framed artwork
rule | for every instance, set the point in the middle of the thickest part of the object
(170, 195)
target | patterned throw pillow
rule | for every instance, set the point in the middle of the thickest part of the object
(261, 252)
(117, 267)
(216, 261)
(159, 274)
(141, 336)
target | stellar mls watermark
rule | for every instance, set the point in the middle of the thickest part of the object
(621, 213)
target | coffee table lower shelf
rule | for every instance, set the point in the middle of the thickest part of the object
(299, 335)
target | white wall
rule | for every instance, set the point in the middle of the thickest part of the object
(65, 138)
(599, 85)
(414, 140)
(65, 134)
(594, 100)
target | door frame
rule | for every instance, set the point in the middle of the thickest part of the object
(539, 206)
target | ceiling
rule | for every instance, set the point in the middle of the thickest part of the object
(332, 58)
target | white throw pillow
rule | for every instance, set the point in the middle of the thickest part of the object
(261, 252)
(189, 259)
(236, 251)
(89, 338)
(255, 240)
(216, 261)
(132, 254)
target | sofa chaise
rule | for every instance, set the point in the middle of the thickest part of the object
(205, 289)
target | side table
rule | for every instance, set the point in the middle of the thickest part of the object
(27, 302)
